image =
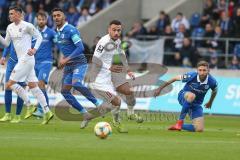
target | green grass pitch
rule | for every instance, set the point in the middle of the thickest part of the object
(61, 140)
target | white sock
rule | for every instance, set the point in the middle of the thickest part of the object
(130, 110)
(116, 113)
(115, 110)
(37, 93)
(21, 92)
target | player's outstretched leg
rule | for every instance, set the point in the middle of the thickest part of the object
(130, 100)
(41, 84)
(86, 93)
(48, 115)
(77, 83)
(116, 103)
(20, 91)
(104, 107)
(75, 104)
(19, 106)
(117, 120)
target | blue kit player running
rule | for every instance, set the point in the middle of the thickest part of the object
(44, 57)
(73, 62)
(8, 93)
(192, 95)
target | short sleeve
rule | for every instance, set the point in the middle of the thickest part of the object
(99, 49)
(214, 86)
(187, 76)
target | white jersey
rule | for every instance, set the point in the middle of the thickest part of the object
(105, 51)
(21, 35)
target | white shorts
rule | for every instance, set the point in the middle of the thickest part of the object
(118, 79)
(24, 71)
(103, 95)
(107, 87)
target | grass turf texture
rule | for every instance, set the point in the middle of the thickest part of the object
(61, 140)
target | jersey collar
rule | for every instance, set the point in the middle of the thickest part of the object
(44, 29)
(66, 23)
(204, 82)
(111, 40)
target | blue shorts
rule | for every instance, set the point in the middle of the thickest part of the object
(42, 71)
(10, 66)
(74, 74)
(195, 110)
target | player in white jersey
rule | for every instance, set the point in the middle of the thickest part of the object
(21, 34)
(107, 81)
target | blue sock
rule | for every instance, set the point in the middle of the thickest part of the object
(185, 108)
(188, 127)
(19, 105)
(39, 108)
(73, 101)
(8, 100)
(85, 92)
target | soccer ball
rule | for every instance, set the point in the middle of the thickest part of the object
(102, 130)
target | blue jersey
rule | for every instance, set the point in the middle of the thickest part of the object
(70, 44)
(44, 52)
(194, 85)
(10, 50)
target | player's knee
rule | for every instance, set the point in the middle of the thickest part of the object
(125, 89)
(32, 85)
(129, 92)
(8, 85)
(116, 101)
(65, 92)
(190, 97)
(66, 87)
(126, 92)
(41, 84)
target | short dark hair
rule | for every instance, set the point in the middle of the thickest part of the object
(162, 12)
(116, 22)
(203, 63)
(16, 8)
(85, 7)
(42, 14)
(180, 14)
(57, 9)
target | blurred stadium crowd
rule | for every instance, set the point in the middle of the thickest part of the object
(204, 35)
(201, 36)
(77, 11)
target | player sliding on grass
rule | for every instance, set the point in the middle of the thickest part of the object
(21, 34)
(192, 95)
